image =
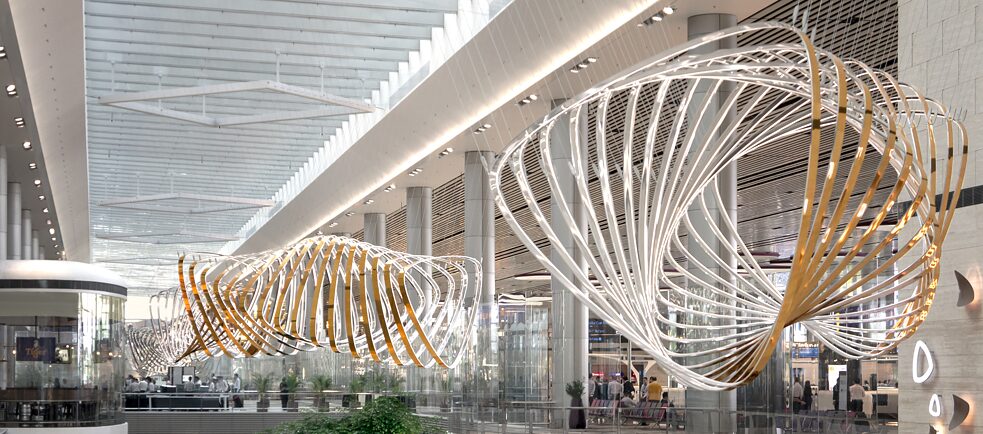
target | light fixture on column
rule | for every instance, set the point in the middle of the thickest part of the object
(32, 166)
(19, 122)
(672, 217)
(37, 182)
(45, 210)
(11, 90)
(27, 146)
(40, 197)
(51, 231)
(3, 52)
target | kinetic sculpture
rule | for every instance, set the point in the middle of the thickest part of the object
(325, 291)
(675, 277)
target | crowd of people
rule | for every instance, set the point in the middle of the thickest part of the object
(617, 388)
(216, 384)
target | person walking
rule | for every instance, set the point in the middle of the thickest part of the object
(807, 397)
(615, 389)
(797, 396)
(283, 394)
(856, 397)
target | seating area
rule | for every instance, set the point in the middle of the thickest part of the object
(652, 413)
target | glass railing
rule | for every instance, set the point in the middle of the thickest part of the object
(451, 412)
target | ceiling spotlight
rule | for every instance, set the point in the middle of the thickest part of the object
(54, 239)
(416, 171)
(40, 197)
(657, 17)
(37, 182)
(389, 188)
(445, 152)
(45, 210)
(482, 128)
(11, 90)
(591, 59)
(32, 166)
(486, 126)
(27, 145)
(369, 202)
(668, 10)
(3, 52)
(527, 99)
(575, 70)
(19, 122)
(51, 231)
(49, 222)
(333, 224)
(349, 213)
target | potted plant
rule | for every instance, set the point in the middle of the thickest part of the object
(357, 386)
(578, 420)
(292, 384)
(262, 384)
(321, 383)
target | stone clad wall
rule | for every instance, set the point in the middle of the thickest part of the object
(940, 45)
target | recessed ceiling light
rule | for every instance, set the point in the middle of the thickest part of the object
(54, 239)
(668, 10)
(11, 90)
(32, 166)
(333, 224)
(45, 210)
(37, 182)
(19, 122)
(486, 126)
(3, 52)
(49, 222)
(51, 231)
(41, 197)
(527, 99)
(349, 214)
(657, 17)
(369, 202)
(27, 145)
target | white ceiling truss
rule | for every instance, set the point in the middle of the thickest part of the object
(138, 101)
(186, 203)
(191, 101)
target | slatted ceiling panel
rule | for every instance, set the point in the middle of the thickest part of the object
(141, 45)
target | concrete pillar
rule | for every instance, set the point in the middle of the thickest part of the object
(698, 26)
(3, 202)
(375, 229)
(14, 244)
(26, 234)
(34, 245)
(479, 243)
(419, 241)
(569, 315)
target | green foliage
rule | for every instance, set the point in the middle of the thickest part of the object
(358, 384)
(377, 380)
(262, 383)
(575, 388)
(383, 415)
(321, 382)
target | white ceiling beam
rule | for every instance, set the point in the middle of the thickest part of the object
(219, 69)
(283, 116)
(167, 113)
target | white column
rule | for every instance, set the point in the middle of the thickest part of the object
(375, 229)
(569, 315)
(34, 244)
(26, 234)
(41, 255)
(716, 422)
(14, 244)
(419, 241)
(3, 202)
(479, 243)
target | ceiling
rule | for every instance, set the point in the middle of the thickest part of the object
(344, 48)
(46, 101)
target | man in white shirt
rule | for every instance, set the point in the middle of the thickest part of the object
(856, 397)
(797, 392)
(236, 383)
(614, 389)
(142, 386)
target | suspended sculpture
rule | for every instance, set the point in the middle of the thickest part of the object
(654, 250)
(327, 291)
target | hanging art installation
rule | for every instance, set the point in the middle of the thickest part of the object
(641, 214)
(322, 292)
